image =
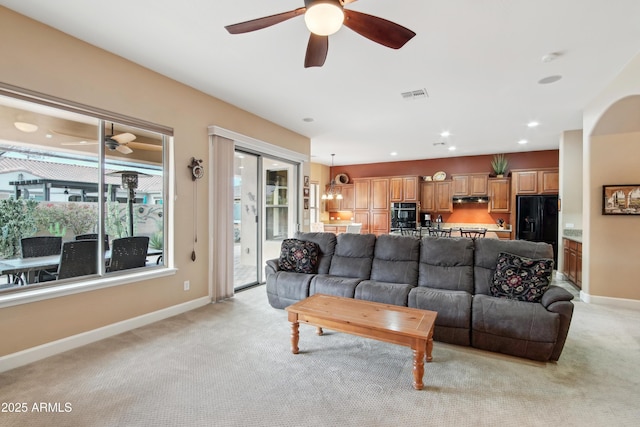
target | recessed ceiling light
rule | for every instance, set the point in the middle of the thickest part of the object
(48, 135)
(308, 119)
(550, 79)
(25, 127)
(522, 141)
(393, 153)
(452, 148)
(532, 124)
(445, 133)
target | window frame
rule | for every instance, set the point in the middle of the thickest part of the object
(102, 280)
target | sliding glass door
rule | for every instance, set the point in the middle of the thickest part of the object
(265, 212)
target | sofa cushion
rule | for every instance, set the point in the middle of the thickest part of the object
(326, 245)
(513, 327)
(486, 257)
(285, 288)
(521, 278)
(353, 256)
(299, 256)
(453, 324)
(334, 285)
(384, 292)
(395, 259)
(446, 263)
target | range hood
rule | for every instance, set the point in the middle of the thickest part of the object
(470, 199)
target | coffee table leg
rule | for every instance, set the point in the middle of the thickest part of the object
(418, 367)
(319, 331)
(430, 346)
(294, 337)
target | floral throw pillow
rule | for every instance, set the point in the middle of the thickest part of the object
(300, 256)
(520, 278)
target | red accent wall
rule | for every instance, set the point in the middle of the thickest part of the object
(451, 165)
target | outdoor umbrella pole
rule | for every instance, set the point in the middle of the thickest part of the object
(130, 203)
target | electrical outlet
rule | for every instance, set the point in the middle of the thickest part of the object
(186, 285)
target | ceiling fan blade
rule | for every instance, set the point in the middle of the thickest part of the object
(267, 21)
(144, 146)
(379, 30)
(349, 1)
(124, 149)
(317, 49)
(123, 138)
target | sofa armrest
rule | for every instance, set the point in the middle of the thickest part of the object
(555, 294)
(271, 267)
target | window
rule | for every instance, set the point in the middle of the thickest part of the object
(98, 206)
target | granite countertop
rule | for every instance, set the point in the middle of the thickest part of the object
(572, 234)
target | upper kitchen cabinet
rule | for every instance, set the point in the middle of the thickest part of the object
(428, 196)
(403, 189)
(499, 195)
(361, 189)
(444, 196)
(346, 203)
(436, 196)
(469, 185)
(538, 181)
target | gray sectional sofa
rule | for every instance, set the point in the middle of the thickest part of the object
(449, 275)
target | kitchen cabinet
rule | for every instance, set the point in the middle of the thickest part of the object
(371, 204)
(572, 260)
(444, 198)
(335, 229)
(403, 189)
(380, 205)
(469, 185)
(499, 195)
(428, 196)
(538, 181)
(435, 196)
(344, 204)
(361, 190)
(503, 234)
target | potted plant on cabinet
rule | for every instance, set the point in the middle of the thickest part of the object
(499, 165)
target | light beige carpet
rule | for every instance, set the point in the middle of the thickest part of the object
(230, 364)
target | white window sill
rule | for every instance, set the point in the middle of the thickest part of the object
(41, 294)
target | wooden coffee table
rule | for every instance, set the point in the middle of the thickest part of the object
(411, 327)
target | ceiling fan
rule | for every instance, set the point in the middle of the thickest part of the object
(123, 142)
(325, 17)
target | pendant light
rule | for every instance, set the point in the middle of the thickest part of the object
(332, 193)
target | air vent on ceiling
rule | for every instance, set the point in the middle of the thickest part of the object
(415, 94)
(439, 143)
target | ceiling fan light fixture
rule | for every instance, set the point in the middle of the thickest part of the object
(323, 17)
(26, 127)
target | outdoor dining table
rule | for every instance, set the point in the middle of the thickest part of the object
(29, 266)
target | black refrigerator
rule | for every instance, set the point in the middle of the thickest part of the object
(537, 220)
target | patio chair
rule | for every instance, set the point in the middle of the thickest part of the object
(38, 246)
(128, 252)
(94, 236)
(78, 258)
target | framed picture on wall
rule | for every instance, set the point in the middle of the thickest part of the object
(306, 181)
(305, 192)
(306, 204)
(621, 199)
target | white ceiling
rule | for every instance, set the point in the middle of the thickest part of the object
(479, 60)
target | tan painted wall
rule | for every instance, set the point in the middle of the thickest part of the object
(42, 59)
(610, 243)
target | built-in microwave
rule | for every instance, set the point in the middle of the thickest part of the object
(404, 216)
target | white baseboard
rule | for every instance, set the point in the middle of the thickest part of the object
(34, 354)
(610, 301)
